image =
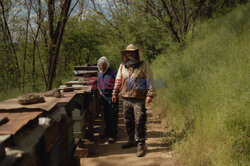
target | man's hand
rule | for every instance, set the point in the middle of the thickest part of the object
(148, 99)
(114, 99)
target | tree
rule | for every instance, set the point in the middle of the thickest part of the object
(176, 16)
(9, 43)
(56, 36)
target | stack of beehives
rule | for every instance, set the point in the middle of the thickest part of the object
(43, 134)
(85, 77)
(39, 134)
(36, 137)
(78, 117)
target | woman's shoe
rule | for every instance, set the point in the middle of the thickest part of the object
(111, 140)
(129, 144)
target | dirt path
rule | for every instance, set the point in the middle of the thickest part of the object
(104, 154)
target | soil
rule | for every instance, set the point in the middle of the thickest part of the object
(104, 154)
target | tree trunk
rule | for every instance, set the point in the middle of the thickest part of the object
(26, 41)
(55, 37)
(17, 70)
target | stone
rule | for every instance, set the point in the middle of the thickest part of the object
(31, 98)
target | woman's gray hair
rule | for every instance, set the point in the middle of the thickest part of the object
(103, 60)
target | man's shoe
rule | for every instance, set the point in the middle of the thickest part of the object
(129, 144)
(141, 150)
(111, 140)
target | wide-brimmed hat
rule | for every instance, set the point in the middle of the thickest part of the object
(130, 48)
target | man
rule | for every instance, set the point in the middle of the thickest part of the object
(105, 85)
(134, 80)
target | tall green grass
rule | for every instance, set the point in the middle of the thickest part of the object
(205, 98)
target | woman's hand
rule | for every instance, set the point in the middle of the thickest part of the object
(114, 99)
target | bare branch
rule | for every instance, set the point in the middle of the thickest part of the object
(171, 25)
(195, 12)
(174, 11)
(73, 8)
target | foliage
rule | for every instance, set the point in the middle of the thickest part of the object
(203, 62)
(82, 41)
(206, 95)
(94, 29)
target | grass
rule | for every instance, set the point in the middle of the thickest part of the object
(205, 99)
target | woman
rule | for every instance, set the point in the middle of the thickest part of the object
(105, 84)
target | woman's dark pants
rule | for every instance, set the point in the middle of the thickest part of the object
(110, 116)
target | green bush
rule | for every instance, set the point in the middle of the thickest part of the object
(205, 98)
